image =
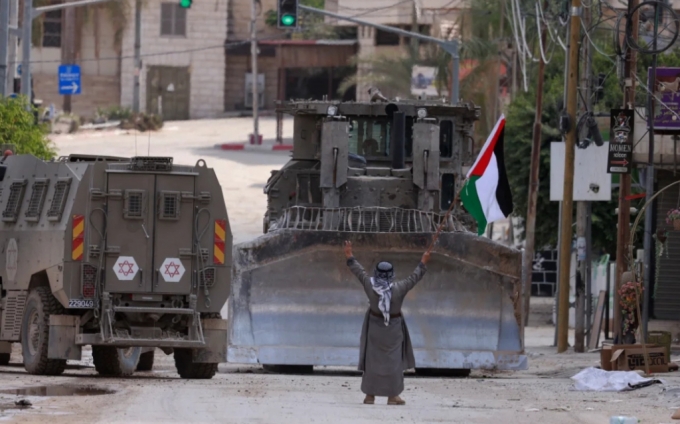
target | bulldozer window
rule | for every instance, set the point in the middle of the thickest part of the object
(446, 139)
(448, 192)
(370, 137)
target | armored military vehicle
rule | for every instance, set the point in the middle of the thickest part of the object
(123, 254)
(382, 175)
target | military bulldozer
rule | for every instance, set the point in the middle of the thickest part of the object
(382, 175)
(123, 254)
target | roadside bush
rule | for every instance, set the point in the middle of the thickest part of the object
(115, 113)
(143, 122)
(18, 127)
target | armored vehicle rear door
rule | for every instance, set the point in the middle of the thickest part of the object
(173, 233)
(130, 223)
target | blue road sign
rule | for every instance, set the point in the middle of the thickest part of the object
(69, 79)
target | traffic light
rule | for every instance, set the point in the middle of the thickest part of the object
(288, 14)
(185, 4)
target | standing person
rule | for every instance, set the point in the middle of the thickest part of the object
(386, 350)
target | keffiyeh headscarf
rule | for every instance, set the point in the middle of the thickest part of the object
(382, 286)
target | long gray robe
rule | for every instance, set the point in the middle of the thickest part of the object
(386, 351)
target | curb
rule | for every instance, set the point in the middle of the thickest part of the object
(255, 147)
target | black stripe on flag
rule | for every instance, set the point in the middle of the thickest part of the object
(503, 193)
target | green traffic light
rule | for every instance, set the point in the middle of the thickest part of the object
(185, 3)
(288, 20)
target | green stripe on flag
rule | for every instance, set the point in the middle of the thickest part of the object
(471, 202)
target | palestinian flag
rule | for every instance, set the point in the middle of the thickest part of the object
(486, 194)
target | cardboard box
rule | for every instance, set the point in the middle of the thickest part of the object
(632, 357)
(606, 357)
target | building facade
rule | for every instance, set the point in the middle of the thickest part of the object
(182, 72)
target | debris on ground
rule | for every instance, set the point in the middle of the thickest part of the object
(595, 379)
(23, 403)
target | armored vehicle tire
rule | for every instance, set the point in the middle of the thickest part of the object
(187, 368)
(115, 362)
(145, 361)
(4, 358)
(35, 332)
(443, 372)
(289, 369)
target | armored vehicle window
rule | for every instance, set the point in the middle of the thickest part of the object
(446, 139)
(61, 189)
(35, 204)
(370, 137)
(448, 192)
(16, 195)
(134, 202)
(169, 205)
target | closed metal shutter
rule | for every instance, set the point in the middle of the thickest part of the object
(667, 298)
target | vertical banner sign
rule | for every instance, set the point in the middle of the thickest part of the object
(78, 237)
(220, 237)
(620, 158)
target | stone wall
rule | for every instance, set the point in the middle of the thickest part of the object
(99, 91)
(201, 50)
(235, 79)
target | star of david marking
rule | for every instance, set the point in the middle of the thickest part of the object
(172, 273)
(126, 268)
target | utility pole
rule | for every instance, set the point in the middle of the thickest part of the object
(4, 43)
(568, 191)
(68, 47)
(623, 227)
(530, 224)
(27, 30)
(253, 66)
(582, 215)
(138, 53)
(501, 46)
(12, 48)
(649, 189)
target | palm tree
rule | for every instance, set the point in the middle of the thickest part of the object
(479, 26)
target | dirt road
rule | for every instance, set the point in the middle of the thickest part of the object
(245, 394)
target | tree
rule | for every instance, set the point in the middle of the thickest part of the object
(17, 127)
(519, 120)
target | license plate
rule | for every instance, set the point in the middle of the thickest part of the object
(81, 304)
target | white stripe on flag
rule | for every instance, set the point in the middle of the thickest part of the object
(486, 190)
(486, 145)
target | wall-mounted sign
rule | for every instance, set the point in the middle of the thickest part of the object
(620, 158)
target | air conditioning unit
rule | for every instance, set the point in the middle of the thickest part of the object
(249, 91)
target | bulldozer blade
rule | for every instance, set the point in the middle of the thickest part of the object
(294, 301)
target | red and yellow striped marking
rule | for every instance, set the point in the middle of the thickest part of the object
(77, 247)
(220, 238)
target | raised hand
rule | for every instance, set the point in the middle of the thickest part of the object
(348, 249)
(426, 258)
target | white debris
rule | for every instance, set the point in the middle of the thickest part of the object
(594, 379)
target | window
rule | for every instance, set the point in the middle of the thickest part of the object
(173, 20)
(446, 139)
(51, 28)
(169, 205)
(134, 204)
(384, 38)
(370, 137)
(448, 192)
